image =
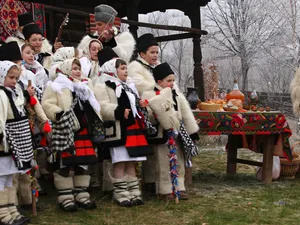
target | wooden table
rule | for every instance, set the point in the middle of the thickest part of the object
(258, 131)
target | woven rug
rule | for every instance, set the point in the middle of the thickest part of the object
(91, 26)
(9, 11)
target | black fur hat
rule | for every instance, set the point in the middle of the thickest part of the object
(10, 51)
(161, 71)
(30, 29)
(105, 55)
(145, 41)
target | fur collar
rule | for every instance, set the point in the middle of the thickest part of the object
(81, 89)
(141, 75)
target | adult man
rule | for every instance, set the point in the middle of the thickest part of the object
(122, 43)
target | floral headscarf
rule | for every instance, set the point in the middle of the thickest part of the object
(4, 68)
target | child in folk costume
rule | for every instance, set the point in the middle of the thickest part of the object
(40, 78)
(140, 70)
(34, 72)
(172, 111)
(69, 101)
(11, 52)
(16, 150)
(122, 107)
(89, 62)
(60, 56)
(33, 36)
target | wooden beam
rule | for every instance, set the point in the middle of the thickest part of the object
(63, 10)
(132, 14)
(249, 162)
(130, 22)
(162, 27)
(174, 37)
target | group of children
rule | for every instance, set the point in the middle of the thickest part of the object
(90, 103)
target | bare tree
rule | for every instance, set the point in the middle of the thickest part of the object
(239, 28)
(286, 44)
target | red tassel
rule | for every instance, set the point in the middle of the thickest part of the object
(171, 141)
(33, 101)
(47, 127)
(43, 142)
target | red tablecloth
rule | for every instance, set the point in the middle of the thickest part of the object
(248, 124)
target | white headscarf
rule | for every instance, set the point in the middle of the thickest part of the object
(109, 67)
(41, 77)
(84, 45)
(109, 72)
(66, 67)
(4, 68)
(62, 54)
(88, 66)
(81, 88)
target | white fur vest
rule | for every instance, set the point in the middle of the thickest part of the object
(184, 111)
(141, 76)
(54, 102)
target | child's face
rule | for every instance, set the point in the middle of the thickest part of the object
(151, 55)
(12, 77)
(122, 72)
(167, 81)
(94, 49)
(36, 41)
(28, 55)
(76, 72)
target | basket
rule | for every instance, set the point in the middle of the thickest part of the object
(210, 107)
(298, 153)
(290, 168)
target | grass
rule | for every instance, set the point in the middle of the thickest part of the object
(215, 198)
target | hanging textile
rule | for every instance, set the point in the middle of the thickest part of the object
(9, 11)
(91, 26)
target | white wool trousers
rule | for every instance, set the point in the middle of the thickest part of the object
(6, 181)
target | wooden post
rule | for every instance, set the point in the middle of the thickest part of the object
(188, 178)
(194, 14)
(268, 159)
(33, 190)
(232, 154)
(133, 14)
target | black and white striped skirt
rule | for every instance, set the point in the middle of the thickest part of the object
(19, 138)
